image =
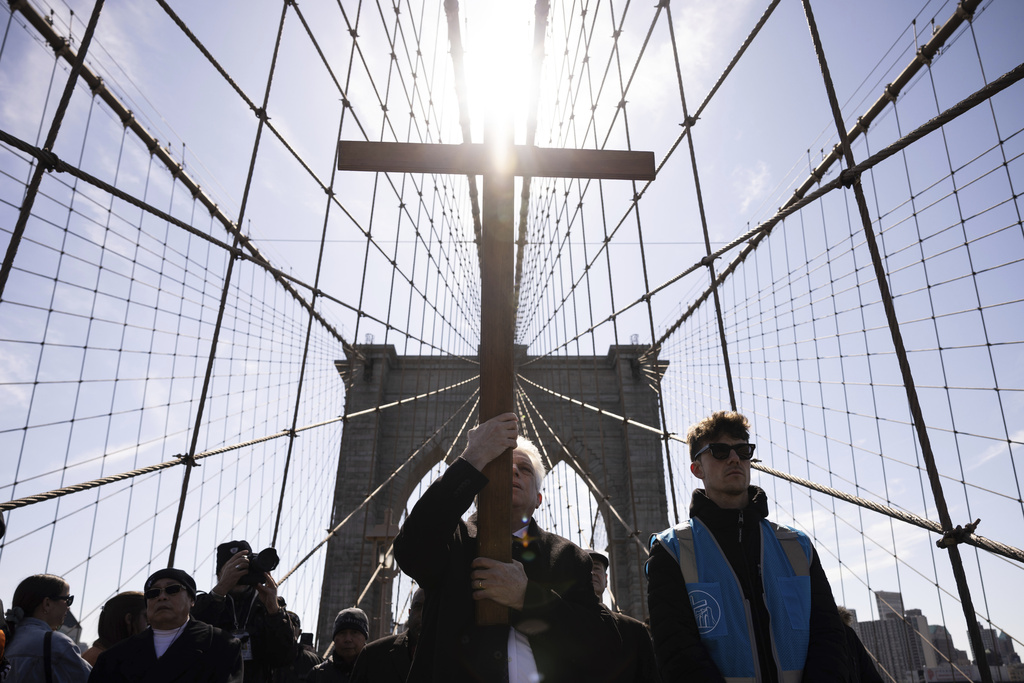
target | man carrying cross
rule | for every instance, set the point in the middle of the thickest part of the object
(557, 631)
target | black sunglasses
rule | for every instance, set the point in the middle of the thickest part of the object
(721, 450)
(66, 598)
(154, 593)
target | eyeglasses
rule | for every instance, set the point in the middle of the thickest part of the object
(66, 598)
(745, 451)
(154, 593)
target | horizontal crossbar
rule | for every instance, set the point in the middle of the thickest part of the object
(475, 159)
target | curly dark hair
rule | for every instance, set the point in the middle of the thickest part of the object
(726, 422)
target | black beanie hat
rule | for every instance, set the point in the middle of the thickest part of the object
(353, 618)
(225, 551)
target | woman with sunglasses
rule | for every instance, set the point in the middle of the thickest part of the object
(38, 652)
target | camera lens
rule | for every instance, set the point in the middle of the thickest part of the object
(267, 560)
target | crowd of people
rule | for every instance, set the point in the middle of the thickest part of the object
(732, 596)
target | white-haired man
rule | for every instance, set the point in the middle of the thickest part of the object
(558, 631)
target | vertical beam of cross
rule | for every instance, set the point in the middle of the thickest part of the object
(497, 334)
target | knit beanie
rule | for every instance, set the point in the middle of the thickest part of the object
(353, 618)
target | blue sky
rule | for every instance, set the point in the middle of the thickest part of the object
(811, 354)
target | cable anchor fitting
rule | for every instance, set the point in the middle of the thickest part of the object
(189, 460)
(848, 176)
(51, 162)
(708, 260)
(958, 535)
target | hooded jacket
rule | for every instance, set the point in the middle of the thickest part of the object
(682, 655)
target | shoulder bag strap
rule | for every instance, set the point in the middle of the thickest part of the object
(47, 662)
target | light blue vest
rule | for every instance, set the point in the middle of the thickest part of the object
(723, 613)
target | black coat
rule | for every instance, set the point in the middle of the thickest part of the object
(568, 631)
(682, 656)
(271, 635)
(302, 663)
(385, 660)
(201, 654)
(637, 663)
(862, 667)
(330, 671)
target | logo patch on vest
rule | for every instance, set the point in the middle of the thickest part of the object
(706, 601)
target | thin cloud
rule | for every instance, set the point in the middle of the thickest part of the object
(751, 183)
(994, 451)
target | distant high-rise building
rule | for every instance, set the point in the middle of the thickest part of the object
(890, 604)
(1004, 644)
(999, 648)
(947, 652)
(896, 640)
(925, 654)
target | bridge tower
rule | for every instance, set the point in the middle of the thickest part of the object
(624, 462)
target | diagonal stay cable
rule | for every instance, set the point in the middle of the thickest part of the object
(264, 118)
(926, 641)
(78, 69)
(965, 536)
(995, 547)
(53, 161)
(403, 401)
(540, 23)
(753, 236)
(181, 459)
(896, 336)
(451, 10)
(99, 88)
(602, 411)
(472, 399)
(632, 532)
(687, 125)
(380, 565)
(846, 177)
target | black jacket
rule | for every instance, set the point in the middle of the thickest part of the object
(271, 635)
(201, 654)
(568, 631)
(302, 662)
(862, 667)
(386, 660)
(682, 656)
(637, 663)
(330, 671)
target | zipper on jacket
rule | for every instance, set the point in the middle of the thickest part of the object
(741, 526)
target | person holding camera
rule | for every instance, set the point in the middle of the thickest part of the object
(244, 603)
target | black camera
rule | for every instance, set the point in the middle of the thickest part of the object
(260, 563)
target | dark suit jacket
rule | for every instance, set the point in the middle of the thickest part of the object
(201, 654)
(385, 660)
(569, 633)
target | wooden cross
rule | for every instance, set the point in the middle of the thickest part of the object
(498, 161)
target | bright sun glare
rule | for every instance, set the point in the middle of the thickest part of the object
(498, 36)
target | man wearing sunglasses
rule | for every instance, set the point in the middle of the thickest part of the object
(175, 647)
(733, 596)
